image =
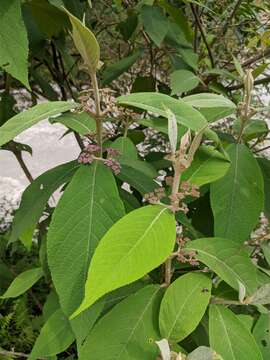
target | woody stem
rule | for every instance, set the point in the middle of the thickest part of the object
(175, 189)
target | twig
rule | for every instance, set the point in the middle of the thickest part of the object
(265, 80)
(27, 173)
(262, 149)
(231, 16)
(16, 354)
(200, 26)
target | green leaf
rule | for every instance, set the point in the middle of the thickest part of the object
(261, 333)
(252, 130)
(184, 305)
(247, 320)
(85, 42)
(228, 260)
(55, 337)
(138, 173)
(83, 324)
(229, 337)
(36, 196)
(129, 200)
(22, 283)
(149, 231)
(88, 208)
(208, 166)
(179, 17)
(113, 71)
(49, 19)
(155, 23)
(161, 125)
(128, 26)
(6, 107)
(128, 331)
(14, 42)
(237, 199)
(82, 123)
(155, 102)
(30, 117)
(183, 81)
(261, 296)
(126, 148)
(213, 107)
(120, 294)
(266, 251)
(47, 90)
(265, 169)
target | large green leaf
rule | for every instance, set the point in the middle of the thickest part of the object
(128, 331)
(49, 19)
(208, 165)
(126, 148)
(14, 42)
(157, 103)
(229, 337)
(28, 118)
(138, 173)
(135, 245)
(184, 305)
(182, 81)
(261, 333)
(22, 283)
(253, 128)
(83, 324)
(161, 125)
(82, 123)
(85, 42)
(237, 199)
(55, 337)
(228, 260)
(179, 17)
(212, 106)
(265, 168)
(155, 23)
(88, 208)
(36, 196)
(113, 71)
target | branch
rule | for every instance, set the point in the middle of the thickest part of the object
(265, 80)
(27, 173)
(200, 26)
(15, 354)
(231, 16)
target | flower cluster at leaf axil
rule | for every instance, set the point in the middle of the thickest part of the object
(176, 200)
(89, 154)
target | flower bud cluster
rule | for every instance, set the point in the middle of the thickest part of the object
(186, 189)
(187, 257)
(113, 164)
(88, 155)
(155, 196)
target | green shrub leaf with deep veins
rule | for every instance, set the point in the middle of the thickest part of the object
(135, 245)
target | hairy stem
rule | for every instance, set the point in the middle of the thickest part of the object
(175, 188)
(98, 111)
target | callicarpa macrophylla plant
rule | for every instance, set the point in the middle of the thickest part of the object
(147, 255)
